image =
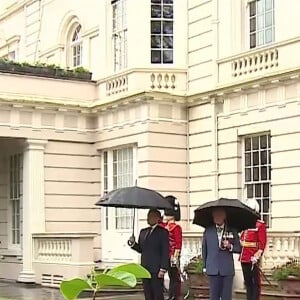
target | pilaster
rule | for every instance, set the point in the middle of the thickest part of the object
(33, 203)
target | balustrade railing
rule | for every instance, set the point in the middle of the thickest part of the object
(255, 62)
(62, 247)
(281, 247)
(140, 80)
(259, 62)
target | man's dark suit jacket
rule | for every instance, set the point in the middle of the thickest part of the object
(154, 249)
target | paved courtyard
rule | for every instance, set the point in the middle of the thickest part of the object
(13, 291)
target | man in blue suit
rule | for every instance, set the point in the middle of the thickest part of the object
(219, 244)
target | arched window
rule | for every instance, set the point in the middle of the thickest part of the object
(76, 47)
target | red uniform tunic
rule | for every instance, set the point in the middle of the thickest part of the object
(175, 237)
(253, 240)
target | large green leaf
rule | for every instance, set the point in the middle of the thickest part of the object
(119, 278)
(70, 289)
(137, 270)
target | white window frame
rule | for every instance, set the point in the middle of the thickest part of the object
(76, 45)
(248, 34)
(119, 35)
(11, 243)
(110, 223)
(269, 181)
(162, 35)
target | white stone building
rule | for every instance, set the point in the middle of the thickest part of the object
(196, 98)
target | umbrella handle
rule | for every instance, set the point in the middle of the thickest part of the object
(133, 222)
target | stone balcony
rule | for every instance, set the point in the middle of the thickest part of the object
(261, 62)
(134, 81)
(26, 88)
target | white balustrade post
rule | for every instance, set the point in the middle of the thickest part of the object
(33, 203)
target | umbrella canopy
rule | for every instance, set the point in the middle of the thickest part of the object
(134, 197)
(239, 215)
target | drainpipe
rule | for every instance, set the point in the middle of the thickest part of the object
(215, 29)
(41, 10)
(188, 202)
(214, 119)
(215, 155)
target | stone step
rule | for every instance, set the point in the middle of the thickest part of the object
(270, 286)
(268, 295)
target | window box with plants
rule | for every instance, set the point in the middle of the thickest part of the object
(79, 73)
(288, 277)
(44, 70)
(198, 282)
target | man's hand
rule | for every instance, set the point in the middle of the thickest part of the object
(131, 241)
(258, 254)
(227, 244)
(161, 273)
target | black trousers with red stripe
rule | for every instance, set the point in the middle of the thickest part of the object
(252, 280)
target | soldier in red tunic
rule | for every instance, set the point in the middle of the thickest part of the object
(175, 245)
(253, 243)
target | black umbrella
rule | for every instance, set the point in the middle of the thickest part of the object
(239, 215)
(134, 197)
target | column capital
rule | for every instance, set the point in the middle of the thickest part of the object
(32, 144)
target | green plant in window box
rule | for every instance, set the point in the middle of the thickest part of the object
(288, 276)
(198, 283)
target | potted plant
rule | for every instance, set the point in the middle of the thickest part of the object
(198, 283)
(288, 277)
(126, 275)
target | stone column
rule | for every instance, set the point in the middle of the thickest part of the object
(33, 203)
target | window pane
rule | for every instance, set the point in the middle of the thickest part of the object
(168, 42)
(263, 157)
(155, 11)
(156, 1)
(255, 158)
(155, 26)
(256, 174)
(252, 8)
(168, 27)
(252, 24)
(266, 204)
(269, 4)
(156, 41)
(263, 142)
(248, 174)
(268, 19)
(168, 11)
(168, 1)
(269, 35)
(253, 40)
(255, 143)
(260, 23)
(266, 190)
(257, 191)
(248, 159)
(247, 144)
(168, 56)
(260, 6)
(260, 38)
(155, 56)
(250, 191)
(263, 173)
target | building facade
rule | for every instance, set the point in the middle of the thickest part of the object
(197, 98)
